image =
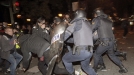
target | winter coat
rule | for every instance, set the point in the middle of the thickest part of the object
(34, 42)
(7, 44)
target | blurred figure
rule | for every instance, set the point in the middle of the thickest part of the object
(8, 52)
(67, 18)
(24, 29)
(1, 29)
(56, 21)
(106, 38)
(125, 24)
(29, 28)
(17, 33)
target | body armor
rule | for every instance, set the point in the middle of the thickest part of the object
(84, 35)
(105, 29)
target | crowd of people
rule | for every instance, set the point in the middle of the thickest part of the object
(19, 43)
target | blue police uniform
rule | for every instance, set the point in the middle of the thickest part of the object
(83, 43)
(106, 37)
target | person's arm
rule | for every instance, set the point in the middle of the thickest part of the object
(46, 36)
(69, 31)
(95, 24)
(7, 45)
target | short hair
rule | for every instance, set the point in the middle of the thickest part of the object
(40, 19)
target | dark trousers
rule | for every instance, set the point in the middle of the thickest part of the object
(110, 51)
(117, 53)
(42, 67)
(4, 64)
(131, 27)
(84, 58)
(125, 32)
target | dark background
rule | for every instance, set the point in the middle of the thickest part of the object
(50, 8)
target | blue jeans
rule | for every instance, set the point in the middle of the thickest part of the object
(14, 59)
(84, 58)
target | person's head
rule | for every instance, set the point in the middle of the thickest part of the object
(67, 16)
(23, 27)
(29, 27)
(57, 20)
(9, 31)
(80, 13)
(41, 22)
(98, 12)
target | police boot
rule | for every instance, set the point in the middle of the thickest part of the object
(95, 69)
(124, 55)
(122, 69)
(102, 67)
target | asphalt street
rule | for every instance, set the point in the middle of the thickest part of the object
(124, 44)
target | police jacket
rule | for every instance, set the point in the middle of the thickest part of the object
(82, 32)
(103, 25)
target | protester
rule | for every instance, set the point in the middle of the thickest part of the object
(8, 50)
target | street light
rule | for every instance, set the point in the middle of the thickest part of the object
(18, 16)
(60, 15)
(28, 20)
(9, 24)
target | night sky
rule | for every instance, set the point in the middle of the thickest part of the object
(120, 5)
(4, 14)
(1, 14)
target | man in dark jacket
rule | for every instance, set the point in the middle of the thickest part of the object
(125, 24)
(37, 42)
(8, 52)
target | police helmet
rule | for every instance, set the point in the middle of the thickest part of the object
(57, 19)
(80, 13)
(99, 12)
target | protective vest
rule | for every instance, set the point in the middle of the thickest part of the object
(105, 29)
(84, 35)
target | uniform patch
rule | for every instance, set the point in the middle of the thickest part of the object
(55, 38)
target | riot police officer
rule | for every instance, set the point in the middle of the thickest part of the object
(103, 25)
(83, 43)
